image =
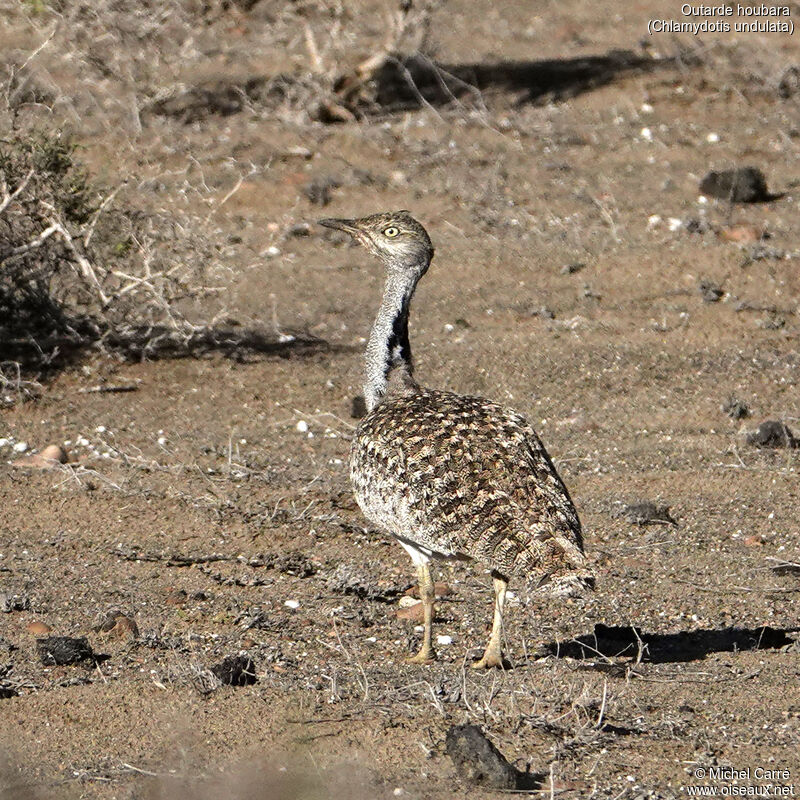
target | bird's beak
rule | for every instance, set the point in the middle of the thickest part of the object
(346, 225)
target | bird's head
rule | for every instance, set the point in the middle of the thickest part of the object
(395, 237)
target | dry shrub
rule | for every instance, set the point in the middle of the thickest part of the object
(77, 269)
(80, 269)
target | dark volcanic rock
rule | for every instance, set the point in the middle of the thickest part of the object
(789, 84)
(645, 513)
(358, 407)
(772, 433)
(235, 671)
(735, 408)
(710, 292)
(14, 602)
(319, 190)
(59, 651)
(478, 761)
(744, 185)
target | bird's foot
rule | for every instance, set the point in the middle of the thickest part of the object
(492, 658)
(426, 655)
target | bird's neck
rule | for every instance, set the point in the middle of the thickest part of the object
(388, 362)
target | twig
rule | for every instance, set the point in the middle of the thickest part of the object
(31, 245)
(124, 387)
(86, 268)
(228, 196)
(9, 198)
(89, 230)
(316, 66)
(138, 769)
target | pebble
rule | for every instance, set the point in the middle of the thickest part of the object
(50, 457)
(735, 408)
(645, 513)
(125, 628)
(299, 229)
(414, 612)
(20, 447)
(117, 624)
(743, 185)
(358, 407)
(37, 628)
(61, 651)
(710, 292)
(14, 602)
(293, 604)
(742, 233)
(477, 760)
(443, 638)
(302, 426)
(771, 433)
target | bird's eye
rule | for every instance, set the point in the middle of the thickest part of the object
(391, 231)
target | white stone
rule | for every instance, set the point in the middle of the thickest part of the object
(292, 604)
(302, 426)
(20, 447)
(443, 638)
(646, 134)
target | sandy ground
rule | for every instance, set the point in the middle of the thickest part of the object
(567, 284)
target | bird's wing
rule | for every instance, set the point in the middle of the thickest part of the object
(487, 488)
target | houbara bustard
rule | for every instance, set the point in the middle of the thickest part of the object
(448, 476)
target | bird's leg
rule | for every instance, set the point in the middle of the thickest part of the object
(493, 655)
(426, 655)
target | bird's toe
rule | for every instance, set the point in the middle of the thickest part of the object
(425, 656)
(491, 660)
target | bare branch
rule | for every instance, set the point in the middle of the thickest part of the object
(9, 198)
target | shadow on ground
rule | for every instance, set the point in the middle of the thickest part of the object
(416, 80)
(46, 352)
(409, 82)
(661, 648)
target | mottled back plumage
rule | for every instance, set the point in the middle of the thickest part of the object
(451, 476)
(462, 477)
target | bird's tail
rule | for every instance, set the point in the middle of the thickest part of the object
(573, 577)
(574, 584)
